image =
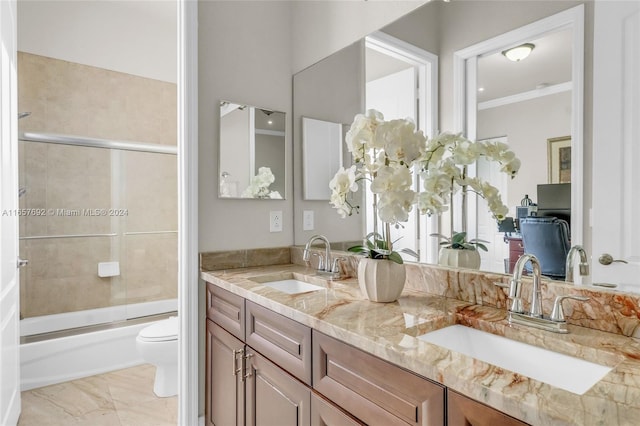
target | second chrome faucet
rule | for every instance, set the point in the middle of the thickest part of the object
(535, 317)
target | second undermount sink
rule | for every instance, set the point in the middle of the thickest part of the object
(562, 371)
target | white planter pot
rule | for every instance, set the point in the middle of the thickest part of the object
(381, 280)
(459, 258)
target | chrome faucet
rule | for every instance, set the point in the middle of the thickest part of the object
(516, 286)
(583, 266)
(535, 317)
(325, 263)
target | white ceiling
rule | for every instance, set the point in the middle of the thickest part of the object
(379, 65)
(136, 37)
(549, 63)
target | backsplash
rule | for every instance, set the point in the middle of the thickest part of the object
(232, 259)
(606, 310)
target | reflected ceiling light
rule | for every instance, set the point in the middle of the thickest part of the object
(518, 53)
(480, 89)
(270, 122)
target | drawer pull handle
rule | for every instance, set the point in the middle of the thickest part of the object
(235, 353)
(248, 373)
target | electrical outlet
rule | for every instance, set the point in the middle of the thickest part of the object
(307, 220)
(275, 221)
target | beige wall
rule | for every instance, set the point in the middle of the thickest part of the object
(320, 28)
(244, 57)
(527, 126)
(248, 52)
(70, 98)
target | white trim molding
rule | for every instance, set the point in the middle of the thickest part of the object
(188, 270)
(526, 96)
(426, 64)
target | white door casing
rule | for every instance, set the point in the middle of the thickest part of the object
(411, 93)
(616, 143)
(9, 274)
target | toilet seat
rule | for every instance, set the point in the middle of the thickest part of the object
(161, 331)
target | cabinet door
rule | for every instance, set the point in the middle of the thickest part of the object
(274, 398)
(373, 390)
(224, 390)
(324, 413)
(463, 411)
(226, 309)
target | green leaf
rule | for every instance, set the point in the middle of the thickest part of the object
(459, 237)
(357, 249)
(395, 257)
(482, 246)
(410, 252)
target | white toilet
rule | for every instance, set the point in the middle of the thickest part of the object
(158, 345)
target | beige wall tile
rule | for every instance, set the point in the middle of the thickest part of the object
(75, 99)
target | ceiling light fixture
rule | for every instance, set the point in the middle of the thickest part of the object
(518, 53)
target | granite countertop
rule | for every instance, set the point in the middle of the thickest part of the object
(389, 330)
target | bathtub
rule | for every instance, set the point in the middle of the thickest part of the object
(59, 359)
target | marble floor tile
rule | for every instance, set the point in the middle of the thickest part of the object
(118, 398)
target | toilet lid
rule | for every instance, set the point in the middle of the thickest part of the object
(161, 331)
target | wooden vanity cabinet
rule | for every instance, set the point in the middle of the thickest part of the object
(373, 390)
(242, 386)
(263, 368)
(463, 411)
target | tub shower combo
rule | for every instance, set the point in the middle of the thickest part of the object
(98, 226)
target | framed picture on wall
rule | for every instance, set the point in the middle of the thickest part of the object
(559, 159)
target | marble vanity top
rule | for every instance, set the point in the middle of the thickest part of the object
(390, 332)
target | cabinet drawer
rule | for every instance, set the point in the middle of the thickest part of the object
(373, 390)
(463, 411)
(325, 413)
(284, 341)
(226, 309)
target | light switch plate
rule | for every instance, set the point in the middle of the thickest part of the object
(307, 220)
(275, 221)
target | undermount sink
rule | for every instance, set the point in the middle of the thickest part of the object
(293, 286)
(562, 371)
(287, 283)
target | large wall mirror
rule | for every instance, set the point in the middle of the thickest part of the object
(527, 111)
(533, 102)
(252, 152)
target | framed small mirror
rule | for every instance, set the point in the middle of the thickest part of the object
(252, 152)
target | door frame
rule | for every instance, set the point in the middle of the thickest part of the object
(10, 400)
(427, 66)
(188, 267)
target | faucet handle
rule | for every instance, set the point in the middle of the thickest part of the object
(320, 261)
(334, 267)
(558, 312)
